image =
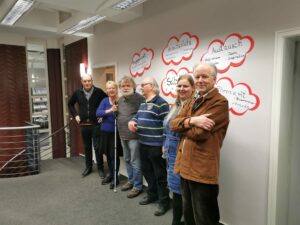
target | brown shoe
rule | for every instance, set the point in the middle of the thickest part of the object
(126, 187)
(134, 192)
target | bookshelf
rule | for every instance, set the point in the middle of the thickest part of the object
(39, 92)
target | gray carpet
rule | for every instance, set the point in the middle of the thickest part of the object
(60, 196)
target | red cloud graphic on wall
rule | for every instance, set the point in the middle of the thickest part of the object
(231, 52)
(168, 84)
(141, 61)
(240, 96)
(179, 49)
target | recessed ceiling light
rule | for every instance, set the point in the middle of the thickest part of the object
(19, 8)
(127, 4)
(84, 24)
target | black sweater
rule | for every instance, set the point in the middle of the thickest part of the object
(87, 109)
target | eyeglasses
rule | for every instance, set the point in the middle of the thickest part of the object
(143, 85)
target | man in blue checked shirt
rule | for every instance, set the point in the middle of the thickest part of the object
(148, 124)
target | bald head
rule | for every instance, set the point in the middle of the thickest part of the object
(87, 82)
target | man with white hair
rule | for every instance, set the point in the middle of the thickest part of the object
(198, 154)
(148, 124)
(88, 97)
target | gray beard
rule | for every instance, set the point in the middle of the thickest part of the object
(128, 93)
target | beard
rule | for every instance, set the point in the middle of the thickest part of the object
(130, 92)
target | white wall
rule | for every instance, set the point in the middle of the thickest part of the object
(245, 154)
(12, 39)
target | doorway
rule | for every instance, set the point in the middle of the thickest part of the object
(284, 181)
(102, 74)
(294, 188)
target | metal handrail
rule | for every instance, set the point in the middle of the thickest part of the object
(21, 152)
(31, 126)
(29, 154)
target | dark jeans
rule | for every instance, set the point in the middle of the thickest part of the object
(177, 209)
(200, 203)
(155, 172)
(90, 136)
(110, 154)
(107, 146)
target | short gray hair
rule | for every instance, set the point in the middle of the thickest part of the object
(86, 75)
(127, 78)
(154, 84)
(213, 68)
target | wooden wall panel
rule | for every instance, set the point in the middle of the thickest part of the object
(75, 54)
(14, 95)
(55, 92)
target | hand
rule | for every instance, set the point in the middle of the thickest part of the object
(203, 122)
(163, 155)
(132, 126)
(100, 119)
(77, 118)
(114, 108)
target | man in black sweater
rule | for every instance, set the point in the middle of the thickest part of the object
(88, 98)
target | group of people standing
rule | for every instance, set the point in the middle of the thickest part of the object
(175, 149)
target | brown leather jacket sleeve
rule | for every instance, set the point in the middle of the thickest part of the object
(177, 123)
(219, 114)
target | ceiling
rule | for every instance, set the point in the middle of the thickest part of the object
(52, 17)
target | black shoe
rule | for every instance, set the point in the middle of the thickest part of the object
(86, 172)
(178, 223)
(146, 200)
(106, 180)
(112, 185)
(162, 210)
(101, 173)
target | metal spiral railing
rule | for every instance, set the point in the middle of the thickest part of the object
(46, 149)
(21, 151)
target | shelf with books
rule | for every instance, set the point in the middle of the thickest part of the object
(39, 90)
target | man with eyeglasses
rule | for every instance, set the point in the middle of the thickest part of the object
(198, 156)
(148, 124)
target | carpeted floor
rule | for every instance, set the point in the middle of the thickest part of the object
(60, 196)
